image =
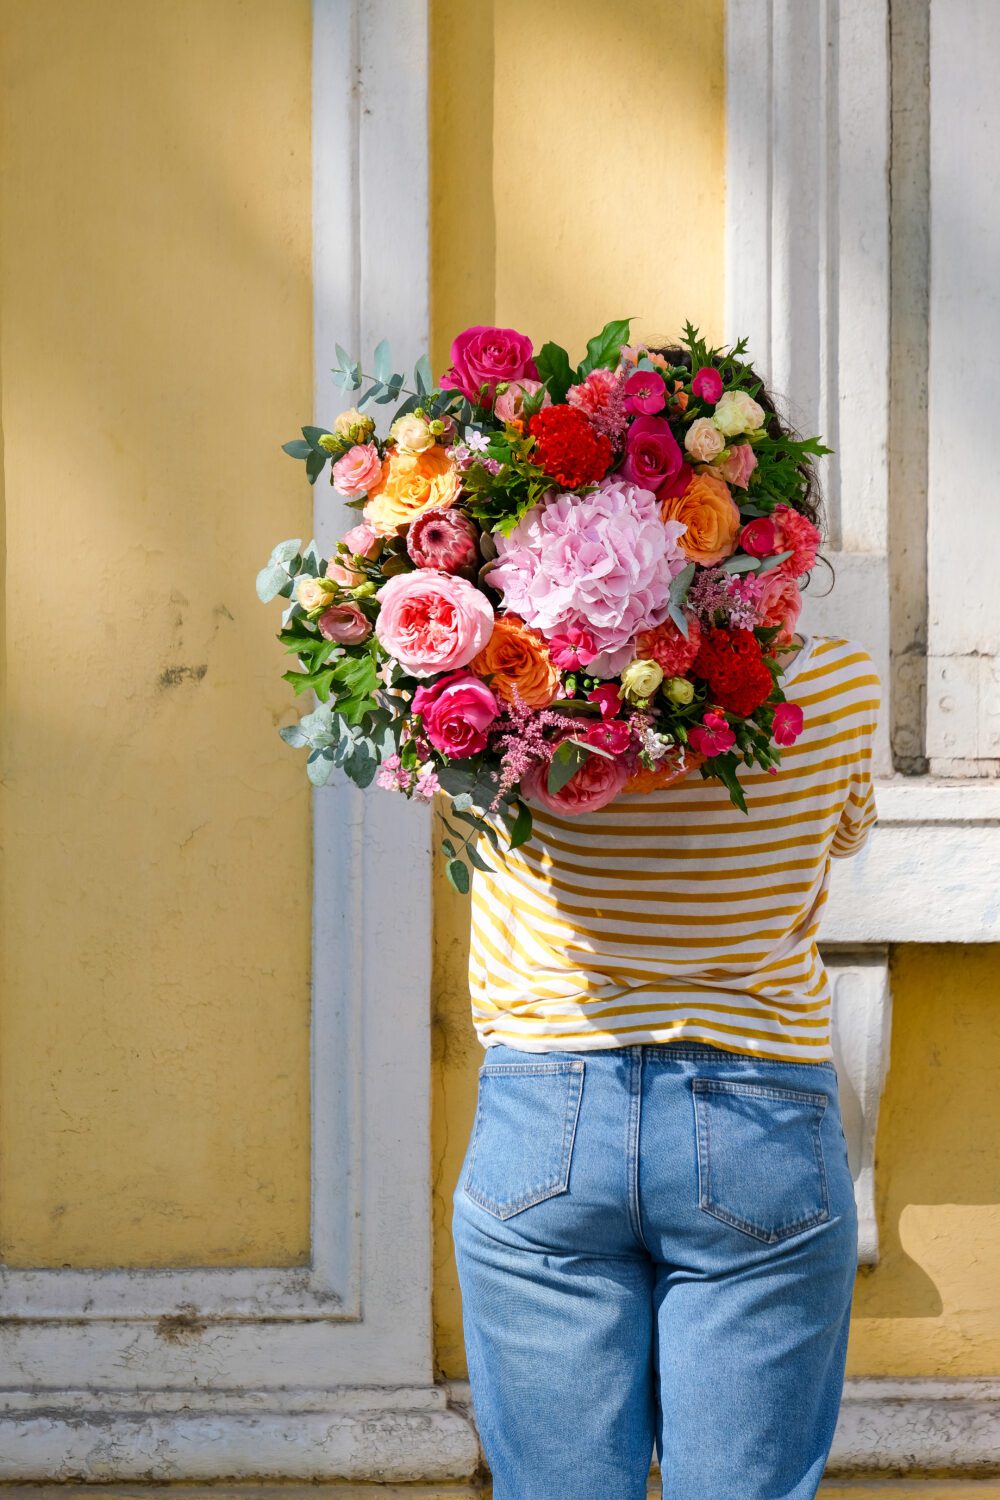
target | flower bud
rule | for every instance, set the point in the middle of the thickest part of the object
(678, 690)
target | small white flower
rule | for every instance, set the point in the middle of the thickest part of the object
(477, 441)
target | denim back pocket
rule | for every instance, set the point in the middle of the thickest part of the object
(522, 1139)
(760, 1157)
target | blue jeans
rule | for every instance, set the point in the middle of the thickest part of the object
(655, 1244)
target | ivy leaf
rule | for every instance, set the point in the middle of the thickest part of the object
(554, 370)
(604, 349)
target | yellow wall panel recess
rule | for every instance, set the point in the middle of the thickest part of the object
(156, 349)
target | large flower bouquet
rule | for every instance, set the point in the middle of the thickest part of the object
(566, 584)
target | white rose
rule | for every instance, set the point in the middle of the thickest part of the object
(412, 434)
(703, 440)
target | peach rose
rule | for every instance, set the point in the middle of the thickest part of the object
(518, 656)
(358, 472)
(361, 540)
(411, 483)
(707, 509)
(780, 604)
(703, 440)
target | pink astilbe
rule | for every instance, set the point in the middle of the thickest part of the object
(601, 398)
(736, 596)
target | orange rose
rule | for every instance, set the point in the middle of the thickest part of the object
(710, 515)
(411, 483)
(518, 655)
(673, 767)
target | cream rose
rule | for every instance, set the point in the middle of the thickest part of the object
(641, 678)
(737, 412)
(411, 434)
(313, 593)
(703, 440)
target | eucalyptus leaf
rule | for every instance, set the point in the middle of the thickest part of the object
(297, 448)
(318, 767)
(740, 564)
(292, 735)
(270, 582)
(285, 551)
(458, 875)
(383, 360)
(422, 375)
(774, 562)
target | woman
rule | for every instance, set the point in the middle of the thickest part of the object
(654, 1223)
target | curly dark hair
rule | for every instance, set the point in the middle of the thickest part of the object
(810, 502)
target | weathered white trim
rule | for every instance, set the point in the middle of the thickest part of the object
(862, 1012)
(360, 1312)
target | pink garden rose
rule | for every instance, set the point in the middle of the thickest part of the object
(509, 405)
(431, 621)
(703, 440)
(652, 453)
(707, 385)
(788, 722)
(346, 623)
(780, 603)
(363, 541)
(597, 782)
(457, 711)
(358, 470)
(602, 562)
(645, 393)
(444, 539)
(712, 736)
(485, 356)
(737, 468)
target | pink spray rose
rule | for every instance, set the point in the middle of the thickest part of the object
(509, 405)
(597, 782)
(457, 711)
(444, 539)
(363, 541)
(712, 736)
(431, 621)
(358, 471)
(346, 623)
(645, 393)
(485, 356)
(652, 453)
(759, 537)
(780, 603)
(737, 468)
(707, 385)
(788, 722)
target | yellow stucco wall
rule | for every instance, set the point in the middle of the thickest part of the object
(156, 349)
(588, 199)
(594, 202)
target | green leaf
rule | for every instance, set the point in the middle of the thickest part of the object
(458, 875)
(296, 448)
(565, 763)
(383, 361)
(361, 765)
(724, 767)
(422, 376)
(371, 393)
(521, 829)
(315, 464)
(477, 859)
(774, 562)
(292, 735)
(679, 585)
(318, 767)
(312, 436)
(270, 582)
(554, 370)
(740, 563)
(285, 551)
(344, 360)
(604, 349)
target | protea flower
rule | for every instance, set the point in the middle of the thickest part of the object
(444, 539)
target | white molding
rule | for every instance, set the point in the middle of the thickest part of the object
(360, 1311)
(861, 1024)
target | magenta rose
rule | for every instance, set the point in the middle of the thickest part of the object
(760, 537)
(358, 471)
(346, 623)
(707, 385)
(737, 468)
(788, 722)
(652, 453)
(431, 621)
(444, 539)
(484, 357)
(597, 782)
(457, 711)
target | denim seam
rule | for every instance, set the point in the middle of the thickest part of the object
(703, 1131)
(633, 1149)
(663, 1053)
(574, 1073)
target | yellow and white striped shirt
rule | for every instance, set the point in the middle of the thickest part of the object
(670, 914)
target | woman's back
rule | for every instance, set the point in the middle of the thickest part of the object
(671, 914)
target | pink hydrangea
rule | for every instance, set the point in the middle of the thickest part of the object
(602, 562)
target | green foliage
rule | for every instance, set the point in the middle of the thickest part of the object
(554, 370)
(603, 350)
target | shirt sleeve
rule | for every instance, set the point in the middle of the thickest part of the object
(859, 813)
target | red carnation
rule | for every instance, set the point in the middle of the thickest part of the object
(732, 664)
(568, 448)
